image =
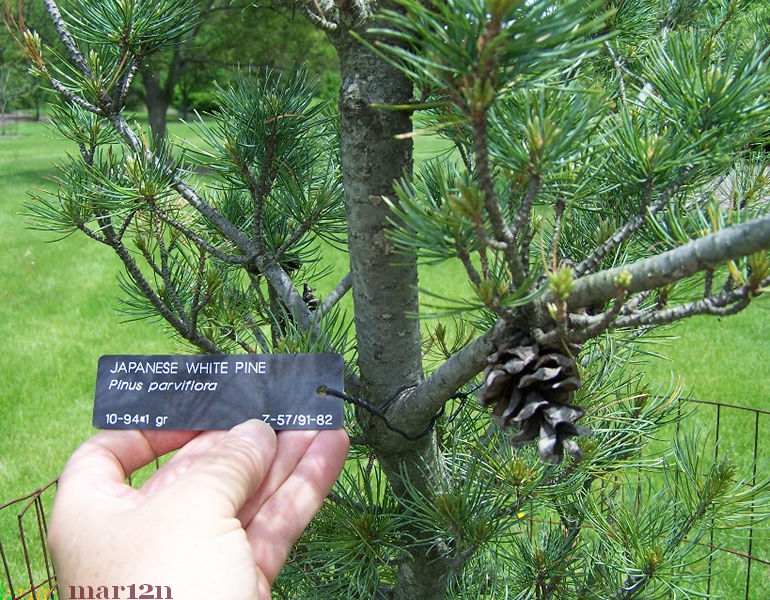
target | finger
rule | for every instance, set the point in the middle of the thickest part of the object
(222, 478)
(181, 461)
(111, 456)
(285, 515)
(292, 446)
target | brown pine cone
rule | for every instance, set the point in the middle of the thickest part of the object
(531, 390)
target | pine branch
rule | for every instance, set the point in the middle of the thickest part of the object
(125, 85)
(635, 302)
(420, 406)
(198, 304)
(259, 337)
(64, 35)
(166, 274)
(586, 328)
(573, 531)
(319, 19)
(345, 284)
(556, 238)
(708, 282)
(151, 263)
(234, 259)
(260, 187)
(316, 13)
(650, 273)
(255, 258)
(73, 97)
(294, 237)
(503, 233)
(225, 227)
(726, 303)
(284, 287)
(588, 264)
(92, 234)
(180, 326)
(524, 214)
(470, 269)
(618, 66)
(126, 224)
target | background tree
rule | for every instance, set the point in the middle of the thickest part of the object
(14, 82)
(252, 37)
(227, 34)
(21, 91)
(603, 184)
(11, 86)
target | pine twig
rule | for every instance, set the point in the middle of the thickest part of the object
(588, 264)
(345, 284)
(726, 303)
(66, 38)
(181, 327)
(73, 97)
(524, 214)
(503, 233)
(199, 241)
(165, 274)
(125, 85)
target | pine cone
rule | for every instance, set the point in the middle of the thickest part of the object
(532, 391)
(308, 297)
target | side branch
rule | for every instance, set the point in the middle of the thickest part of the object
(419, 407)
(524, 214)
(125, 85)
(503, 233)
(64, 35)
(234, 259)
(701, 254)
(262, 263)
(727, 303)
(73, 97)
(317, 14)
(182, 327)
(622, 234)
(335, 295)
(225, 227)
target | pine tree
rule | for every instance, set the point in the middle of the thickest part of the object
(607, 178)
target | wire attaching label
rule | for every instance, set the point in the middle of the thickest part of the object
(217, 391)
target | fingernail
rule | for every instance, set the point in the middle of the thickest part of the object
(256, 432)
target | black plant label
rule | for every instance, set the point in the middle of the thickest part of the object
(217, 391)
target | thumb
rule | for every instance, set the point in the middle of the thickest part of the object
(224, 476)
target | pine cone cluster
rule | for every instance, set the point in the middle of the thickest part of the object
(531, 390)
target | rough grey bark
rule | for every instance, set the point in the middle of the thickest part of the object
(388, 339)
(384, 283)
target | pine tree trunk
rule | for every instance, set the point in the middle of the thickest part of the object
(384, 283)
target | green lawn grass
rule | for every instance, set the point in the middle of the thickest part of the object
(58, 315)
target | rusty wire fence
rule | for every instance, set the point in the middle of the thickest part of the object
(27, 571)
(737, 568)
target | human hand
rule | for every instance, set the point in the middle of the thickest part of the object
(216, 521)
